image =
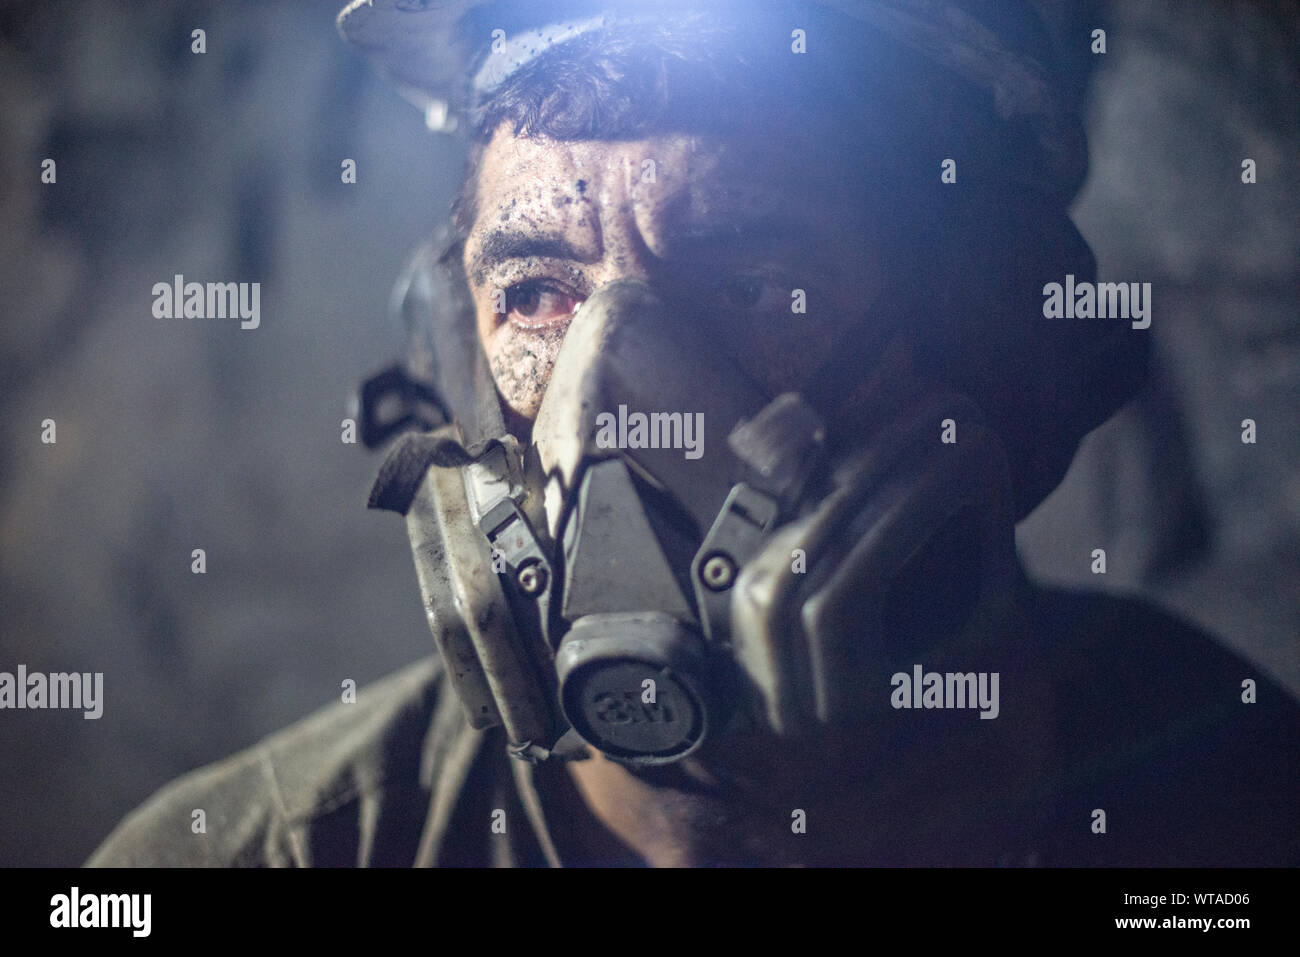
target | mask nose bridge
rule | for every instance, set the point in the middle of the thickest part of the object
(628, 352)
(631, 219)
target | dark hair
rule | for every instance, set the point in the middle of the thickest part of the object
(692, 74)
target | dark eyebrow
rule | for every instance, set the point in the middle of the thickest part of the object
(500, 245)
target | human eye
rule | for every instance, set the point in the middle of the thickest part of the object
(537, 303)
(750, 292)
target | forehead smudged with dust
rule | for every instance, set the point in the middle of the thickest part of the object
(727, 226)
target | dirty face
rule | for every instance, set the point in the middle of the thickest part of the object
(728, 228)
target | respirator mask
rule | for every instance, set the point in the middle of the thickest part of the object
(676, 555)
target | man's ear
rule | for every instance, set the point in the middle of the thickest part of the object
(454, 254)
(448, 330)
(464, 205)
(405, 395)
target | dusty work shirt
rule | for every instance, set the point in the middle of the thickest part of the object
(1142, 717)
(396, 779)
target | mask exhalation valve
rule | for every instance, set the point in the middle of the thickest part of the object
(630, 685)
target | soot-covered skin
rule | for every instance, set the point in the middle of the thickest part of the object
(728, 229)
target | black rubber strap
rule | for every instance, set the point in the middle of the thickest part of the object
(404, 469)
